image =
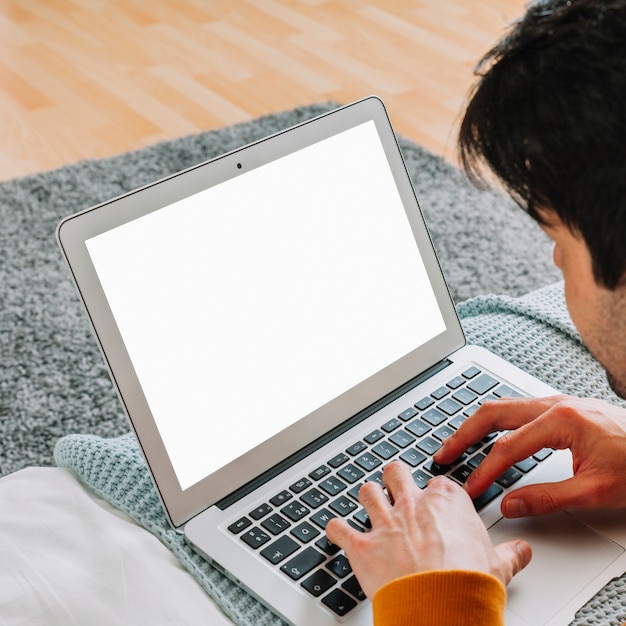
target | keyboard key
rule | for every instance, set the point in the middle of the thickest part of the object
(343, 505)
(314, 498)
(319, 582)
(339, 602)
(418, 428)
(475, 461)
(260, 511)
(352, 585)
(385, 450)
(457, 420)
(368, 461)
(356, 526)
(322, 517)
(350, 473)
(421, 478)
(543, 454)
(504, 391)
(303, 563)
(412, 457)
(332, 485)
(374, 436)
(363, 518)
(487, 496)
(354, 492)
(340, 566)
(424, 403)
(487, 398)
(509, 477)
(402, 439)
(456, 382)
(239, 525)
(338, 461)
(482, 384)
(376, 477)
(461, 473)
(305, 532)
(275, 524)
(320, 472)
(440, 393)
(356, 448)
(280, 549)
(436, 469)
(434, 417)
(255, 537)
(470, 410)
(429, 445)
(526, 465)
(443, 432)
(300, 485)
(407, 414)
(295, 511)
(327, 546)
(464, 396)
(471, 372)
(449, 406)
(391, 425)
(281, 498)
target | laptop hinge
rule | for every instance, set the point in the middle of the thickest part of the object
(309, 449)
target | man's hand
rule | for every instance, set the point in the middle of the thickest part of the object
(418, 530)
(593, 430)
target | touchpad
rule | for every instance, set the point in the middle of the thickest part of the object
(567, 556)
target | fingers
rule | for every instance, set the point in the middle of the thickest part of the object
(503, 414)
(399, 482)
(400, 487)
(340, 533)
(514, 556)
(532, 433)
(509, 449)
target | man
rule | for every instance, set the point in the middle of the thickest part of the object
(548, 118)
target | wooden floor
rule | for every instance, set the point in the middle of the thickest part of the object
(92, 78)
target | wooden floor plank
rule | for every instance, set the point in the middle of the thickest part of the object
(93, 78)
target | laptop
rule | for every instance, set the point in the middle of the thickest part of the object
(277, 327)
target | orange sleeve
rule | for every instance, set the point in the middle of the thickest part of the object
(441, 598)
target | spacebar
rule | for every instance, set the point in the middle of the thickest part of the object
(487, 496)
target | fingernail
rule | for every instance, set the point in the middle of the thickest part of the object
(515, 507)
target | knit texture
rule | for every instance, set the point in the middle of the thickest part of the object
(533, 332)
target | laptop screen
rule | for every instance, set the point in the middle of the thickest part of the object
(249, 305)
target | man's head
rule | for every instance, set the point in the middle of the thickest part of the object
(548, 118)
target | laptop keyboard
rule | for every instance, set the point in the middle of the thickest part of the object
(289, 529)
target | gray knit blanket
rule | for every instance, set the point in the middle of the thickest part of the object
(533, 332)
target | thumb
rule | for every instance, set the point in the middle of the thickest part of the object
(514, 556)
(545, 498)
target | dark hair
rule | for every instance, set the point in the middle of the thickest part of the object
(548, 117)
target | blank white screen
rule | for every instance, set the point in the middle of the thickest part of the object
(249, 305)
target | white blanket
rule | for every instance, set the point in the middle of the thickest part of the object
(68, 557)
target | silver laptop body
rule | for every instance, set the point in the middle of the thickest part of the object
(276, 324)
